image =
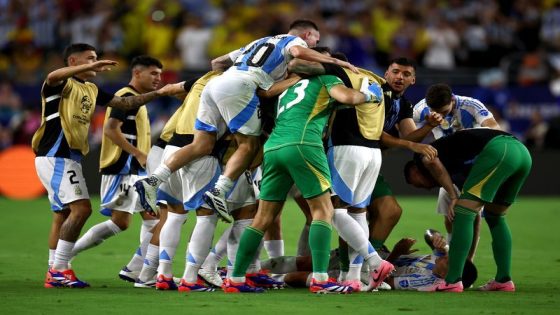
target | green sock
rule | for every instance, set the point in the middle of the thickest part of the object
(377, 244)
(344, 258)
(460, 242)
(320, 245)
(248, 245)
(501, 245)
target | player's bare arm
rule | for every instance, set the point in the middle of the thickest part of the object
(280, 86)
(347, 95)
(312, 55)
(425, 149)
(221, 63)
(305, 67)
(491, 123)
(132, 102)
(408, 130)
(58, 76)
(113, 131)
(441, 176)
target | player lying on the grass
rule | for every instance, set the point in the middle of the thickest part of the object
(413, 271)
(494, 166)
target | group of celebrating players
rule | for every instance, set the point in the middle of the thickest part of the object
(323, 123)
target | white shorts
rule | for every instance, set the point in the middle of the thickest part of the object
(242, 193)
(63, 179)
(154, 159)
(354, 171)
(229, 100)
(117, 193)
(444, 201)
(187, 185)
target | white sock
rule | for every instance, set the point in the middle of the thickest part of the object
(356, 260)
(62, 255)
(352, 233)
(199, 246)
(138, 259)
(280, 265)
(151, 262)
(224, 184)
(237, 229)
(51, 257)
(320, 276)
(303, 242)
(274, 248)
(96, 235)
(220, 250)
(147, 226)
(161, 173)
(168, 240)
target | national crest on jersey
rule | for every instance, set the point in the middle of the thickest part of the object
(66, 114)
(266, 58)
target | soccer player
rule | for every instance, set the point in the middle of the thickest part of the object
(68, 102)
(491, 167)
(458, 112)
(230, 102)
(414, 272)
(399, 130)
(124, 149)
(294, 154)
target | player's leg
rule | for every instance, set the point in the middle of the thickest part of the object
(238, 107)
(132, 269)
(57, 219)
(148, 273)
(303, 241)
(384, 213)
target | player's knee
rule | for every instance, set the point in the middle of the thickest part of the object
(394, 213)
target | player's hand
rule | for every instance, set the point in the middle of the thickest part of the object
(348, 65)
(141, 157)
(450, 211)
(425, 149)
(172, 89)
(403, 247)
(439, 242)
(434, 119)
(373, 92)
(103, 65)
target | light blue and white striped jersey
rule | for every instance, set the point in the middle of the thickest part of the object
(265, 59)
(413, 272)
(467, 113)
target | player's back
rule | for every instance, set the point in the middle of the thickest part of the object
(302, 112)
(266, 59)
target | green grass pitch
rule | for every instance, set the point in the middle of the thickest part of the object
(23, 262)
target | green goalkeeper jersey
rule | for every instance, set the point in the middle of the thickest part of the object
(302, 112)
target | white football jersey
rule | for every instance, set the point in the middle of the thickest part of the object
(414, 272)
(467, 113)
(266, 59)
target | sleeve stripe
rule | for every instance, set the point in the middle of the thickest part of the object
(52, 98)
(52, 116)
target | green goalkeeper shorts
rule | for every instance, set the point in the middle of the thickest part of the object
(499, 172)
(304, 165)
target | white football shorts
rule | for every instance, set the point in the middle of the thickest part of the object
(187, 185)
(230, 100)
(117, 193)
(63, 179)
(354, 171)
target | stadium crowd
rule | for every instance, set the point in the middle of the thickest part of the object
(519, 38)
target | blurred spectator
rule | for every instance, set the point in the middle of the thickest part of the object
(535, 135)
(534, 68)
(192, 42)
(10, 113)
(442, 42)
(493, 90)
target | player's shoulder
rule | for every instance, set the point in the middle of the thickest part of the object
(469, 102)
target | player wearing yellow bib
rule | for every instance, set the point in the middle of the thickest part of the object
(68, 102)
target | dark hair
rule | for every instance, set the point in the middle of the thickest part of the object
(403, 61)
(301, 24)
(470, 273)
(340, 56)
(75, 48)
(438, 95)
(145, 60)
(322, 49)
(421, 168)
